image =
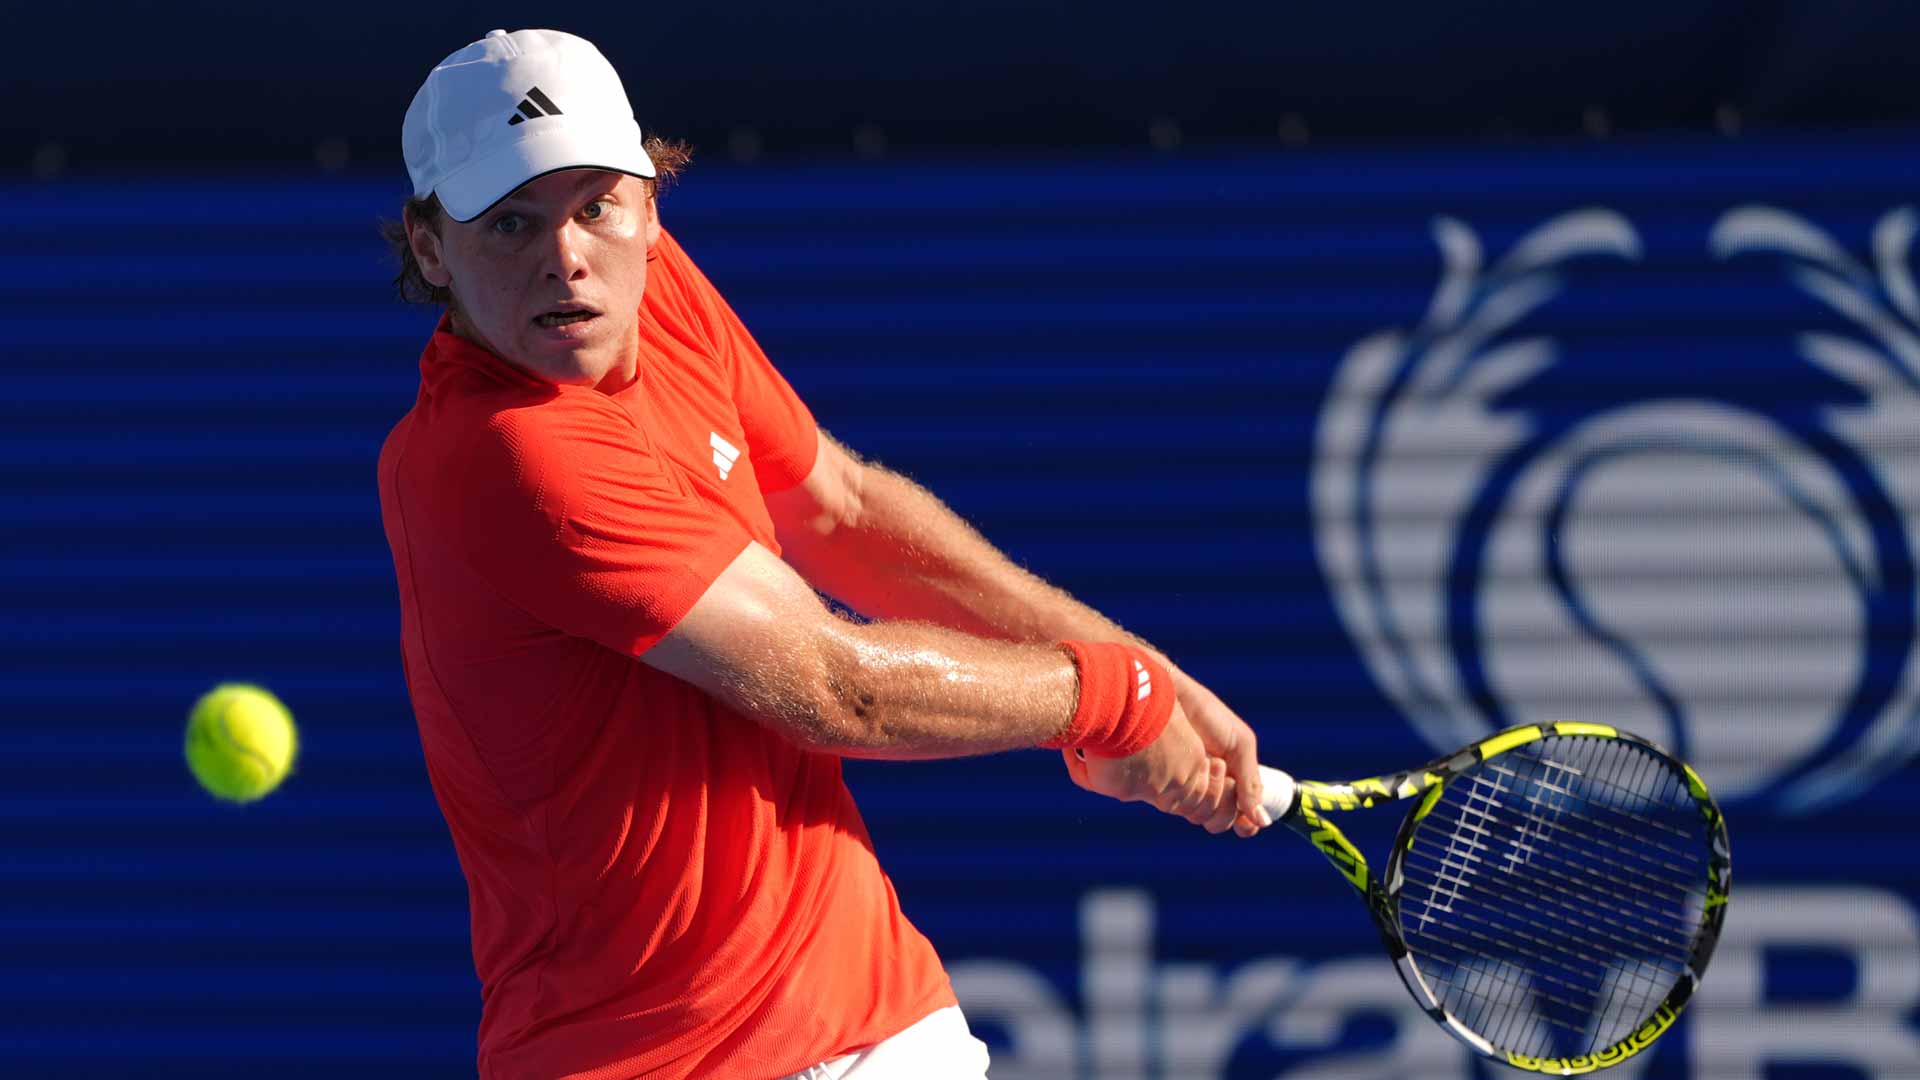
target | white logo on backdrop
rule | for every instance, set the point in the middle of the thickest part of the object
(1735, 583)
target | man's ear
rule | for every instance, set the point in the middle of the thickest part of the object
(427, 251)
(653, 220)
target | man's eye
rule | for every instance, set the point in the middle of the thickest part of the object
(595, 209)
(507, 224)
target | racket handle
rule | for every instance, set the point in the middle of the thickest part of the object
(1277, 790)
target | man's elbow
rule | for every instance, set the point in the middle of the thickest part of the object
(826, 703)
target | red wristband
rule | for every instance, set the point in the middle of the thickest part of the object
(1126, 699)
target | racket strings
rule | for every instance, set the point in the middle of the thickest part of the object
(1634, 844)
(1624, 850)
(1492, 986)
(1540, 848)
(1633, 900)
(1638, 935)
(1549, 953)
(1642, 844)
(1638, 897)
(1537, 829)
(1510, 980)
(1545, 898)
(1632, 831)
(1548, 964)
(1642, 913)
(1638, 779)
(1667, 790)
(1539, 987)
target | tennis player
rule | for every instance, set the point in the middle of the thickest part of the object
(609, 515)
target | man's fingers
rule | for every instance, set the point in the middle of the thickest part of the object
(1218, 796)
(1221, 821)
(1188, 797)
(1224, 810)
(1244, 766)
(1229, 737)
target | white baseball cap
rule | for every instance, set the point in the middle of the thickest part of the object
(512, 107)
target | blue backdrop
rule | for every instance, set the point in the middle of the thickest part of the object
(1387, 447)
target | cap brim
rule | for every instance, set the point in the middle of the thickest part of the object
(559, 143)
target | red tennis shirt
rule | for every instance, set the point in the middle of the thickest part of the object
(659, 886)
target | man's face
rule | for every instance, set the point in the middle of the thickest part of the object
(550, 279)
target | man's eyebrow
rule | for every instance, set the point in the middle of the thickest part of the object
(592, 179)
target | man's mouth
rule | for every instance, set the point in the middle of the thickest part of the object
(564, 317)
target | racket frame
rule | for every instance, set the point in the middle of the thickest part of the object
(1313, 799)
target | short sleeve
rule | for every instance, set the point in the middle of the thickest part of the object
(782, 435)
(566, 513)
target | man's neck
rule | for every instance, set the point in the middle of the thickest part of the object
(621, 377)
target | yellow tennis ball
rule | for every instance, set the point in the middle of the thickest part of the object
(240, 742)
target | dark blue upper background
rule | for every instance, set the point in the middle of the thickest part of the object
(200, 82)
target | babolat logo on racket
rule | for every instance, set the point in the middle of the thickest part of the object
(1641, 1038)
(1520, 526)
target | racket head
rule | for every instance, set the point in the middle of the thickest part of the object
(1554, 897)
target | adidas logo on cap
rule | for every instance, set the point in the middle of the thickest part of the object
(531, 106)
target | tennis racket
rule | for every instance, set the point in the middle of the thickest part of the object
(1552, 897)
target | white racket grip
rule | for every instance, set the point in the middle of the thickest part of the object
(1276, 792)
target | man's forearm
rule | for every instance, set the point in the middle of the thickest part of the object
(906, 690)
(901, 553)
(760, 641)
(891, 550)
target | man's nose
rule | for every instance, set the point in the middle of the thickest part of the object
(565, 262)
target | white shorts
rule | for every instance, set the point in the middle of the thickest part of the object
(939, 1047)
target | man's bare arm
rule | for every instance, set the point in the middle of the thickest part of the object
(761, 641)
(890, 549)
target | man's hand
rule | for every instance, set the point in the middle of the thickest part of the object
(1175, 774)
(1226, 737)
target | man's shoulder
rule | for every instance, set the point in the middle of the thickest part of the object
(522, 432)
(491, 413)
(558, 416)
(547, 446)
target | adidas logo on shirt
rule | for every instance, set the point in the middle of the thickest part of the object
(1146, 681)
(724, 454)
(534, 106)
